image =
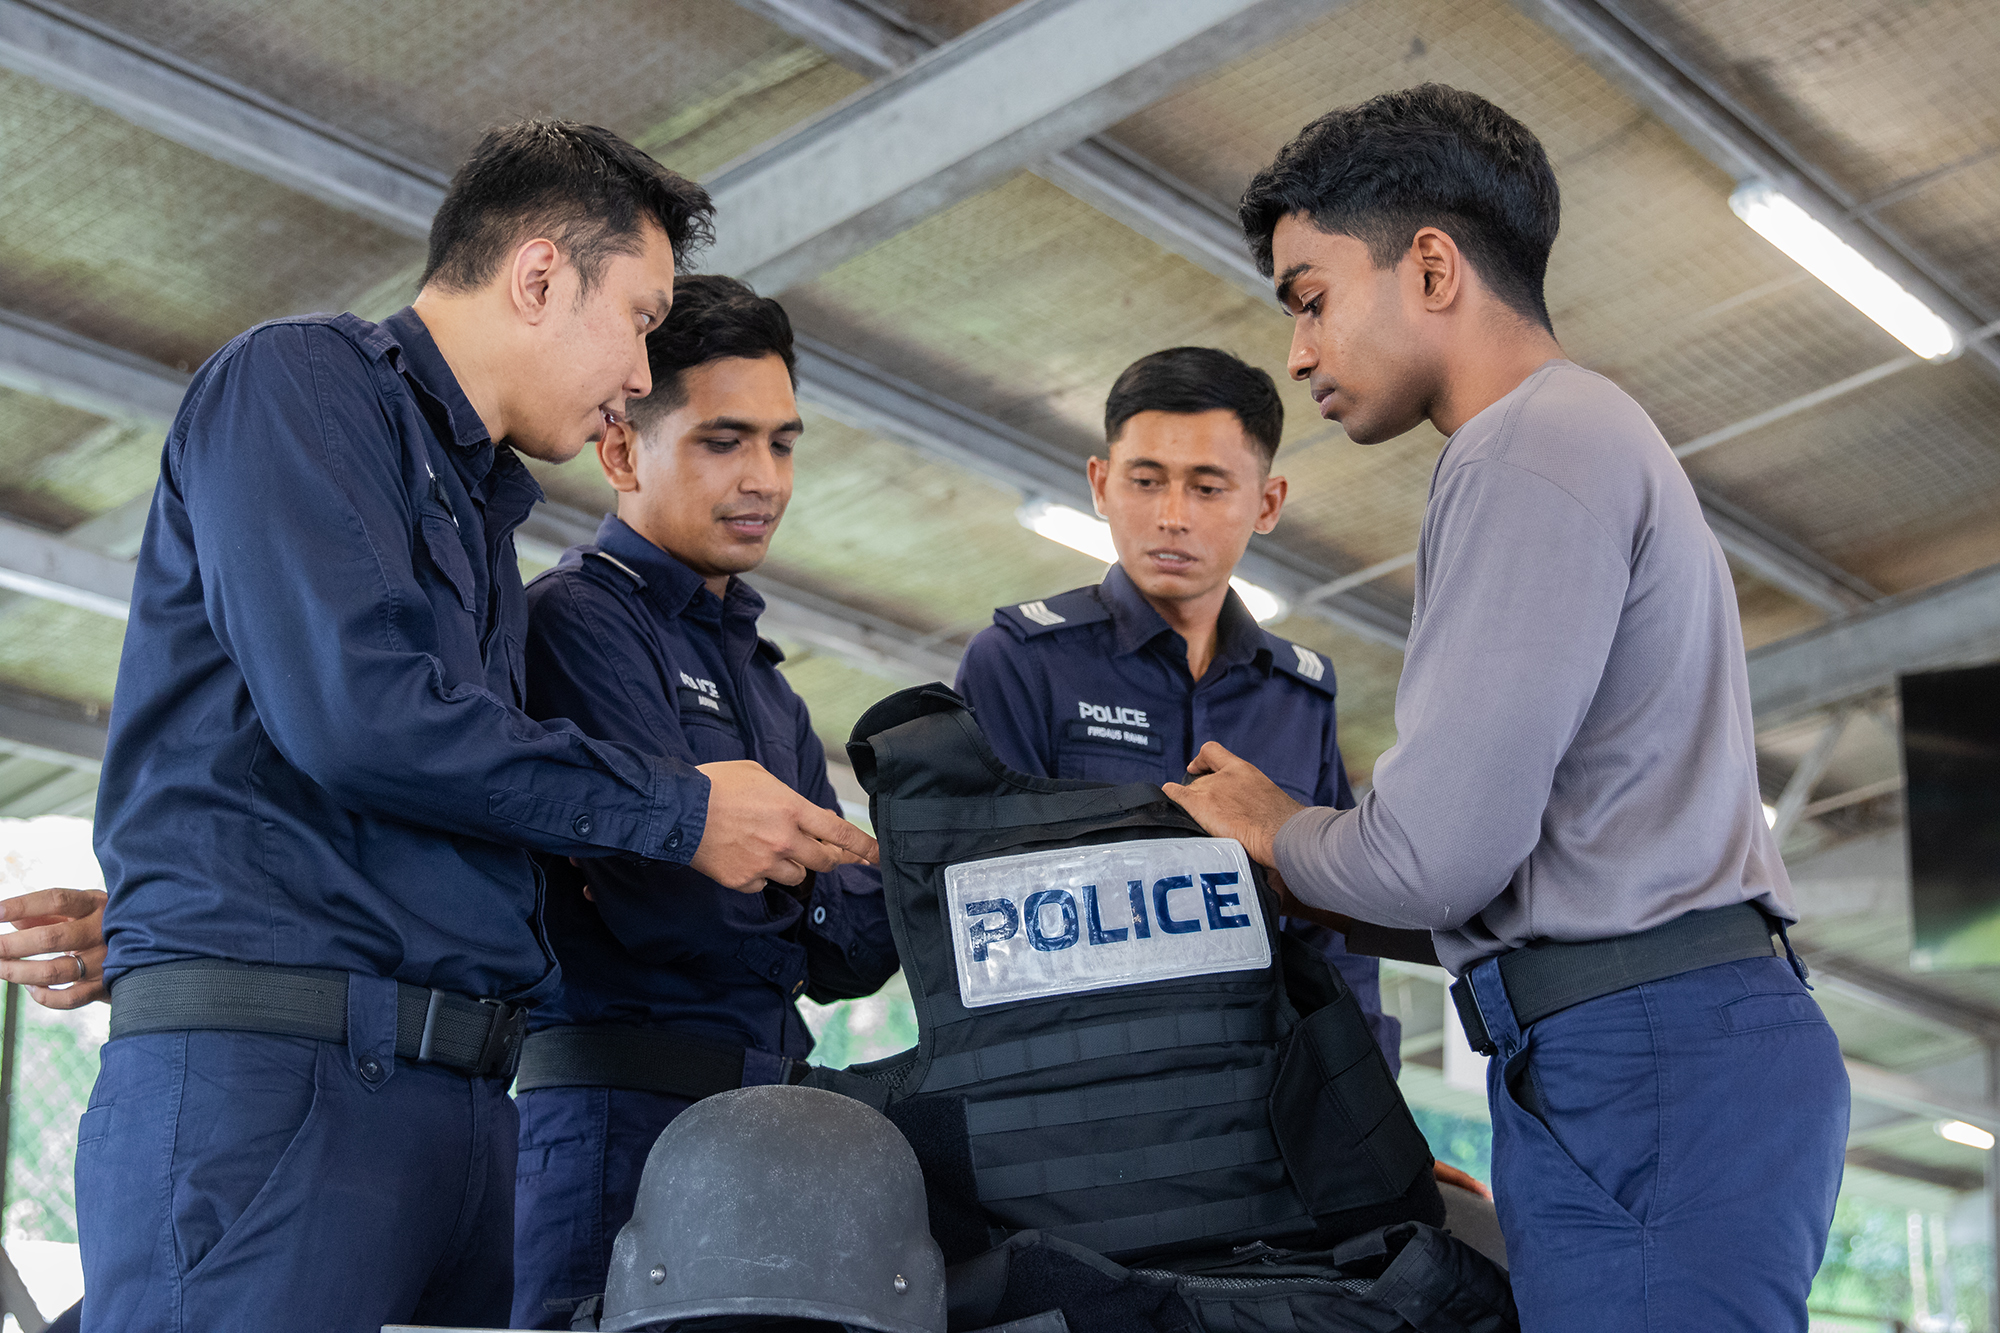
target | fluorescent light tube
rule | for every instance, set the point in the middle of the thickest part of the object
(1092, 536)
(1071, 527)
(1779, 220)
(1260, 601)
(1972, 1136)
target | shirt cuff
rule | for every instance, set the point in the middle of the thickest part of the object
(680, 812)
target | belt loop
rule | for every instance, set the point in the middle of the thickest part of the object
(431, 1013)
(1783, 938)
(1496, 1012)
(1469, 1017)
(371, 1029)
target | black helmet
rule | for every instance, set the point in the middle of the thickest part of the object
(778, 1202)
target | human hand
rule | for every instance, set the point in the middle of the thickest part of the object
(760, 830)
(1231, 798)
(1451, 1175)
(68, 923)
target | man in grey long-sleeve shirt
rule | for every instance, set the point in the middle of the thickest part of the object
(1575, 757)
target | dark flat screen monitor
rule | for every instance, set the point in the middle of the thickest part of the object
(1951, 758)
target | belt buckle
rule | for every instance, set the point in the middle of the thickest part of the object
(500, 1055)
(1469, 1017)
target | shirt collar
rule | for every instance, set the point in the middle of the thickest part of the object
(676, 588)
(1137, 624)
(418, 357)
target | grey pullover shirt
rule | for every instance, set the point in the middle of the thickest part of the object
(1575, 757)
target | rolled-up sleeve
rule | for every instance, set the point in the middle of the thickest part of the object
(293, 479)
(1525, 589)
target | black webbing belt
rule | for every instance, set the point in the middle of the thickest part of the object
(1545, 977)
(642, 1059)
(477, 1037)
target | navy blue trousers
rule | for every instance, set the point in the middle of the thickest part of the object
(1666, 1159)
(239, 1181)
(582, 1150)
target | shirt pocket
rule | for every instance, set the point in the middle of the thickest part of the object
(713, 740)
(447, 557)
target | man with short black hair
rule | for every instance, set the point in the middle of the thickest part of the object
(1123, 681)
(673, 987)
(320, 789)
(1571, 807)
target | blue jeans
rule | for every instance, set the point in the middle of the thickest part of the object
(1666, 1158)
(581, 1153)
(240, 1181)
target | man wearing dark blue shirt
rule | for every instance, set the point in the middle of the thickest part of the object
(1124, 681)
(320, 787)
(673, 987)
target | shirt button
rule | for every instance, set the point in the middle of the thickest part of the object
(674, 840)
(371, 1069)
(582, 825)
(819, 916)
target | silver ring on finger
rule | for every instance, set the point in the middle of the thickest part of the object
(82, 968)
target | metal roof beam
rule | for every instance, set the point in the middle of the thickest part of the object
(1954, 624)
(215, 116)
(50, 730)
(58, 365)
(1039, 78)
(1101, 172)
(1735, 140)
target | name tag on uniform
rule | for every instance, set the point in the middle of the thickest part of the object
(1091, 918)
(1110, 733)
(705, 704)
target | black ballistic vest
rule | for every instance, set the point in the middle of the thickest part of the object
(1163, 1117)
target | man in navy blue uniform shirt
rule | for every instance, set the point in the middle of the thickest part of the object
(1125, 680)
(673, 986)
(320, 788)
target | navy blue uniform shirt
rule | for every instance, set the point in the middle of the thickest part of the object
(1095, 684)
(318, 755)
(627, 642)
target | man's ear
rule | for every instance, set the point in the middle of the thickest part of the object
(1273, 504)
(531, 276)
(1099, 472)
(1440, 268)
(617, 454)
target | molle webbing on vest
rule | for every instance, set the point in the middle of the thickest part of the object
(1054, 1049)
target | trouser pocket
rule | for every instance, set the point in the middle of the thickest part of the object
(1348, 1139)
(246, 1104)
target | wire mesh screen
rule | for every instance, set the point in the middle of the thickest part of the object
(55, 1064)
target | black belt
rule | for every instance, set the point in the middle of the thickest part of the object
(477, 1037)
(642, 1059)
(1546, 977)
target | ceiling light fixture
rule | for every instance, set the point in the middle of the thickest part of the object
(1092, 536)
(1780, 220)
(1972, 1136)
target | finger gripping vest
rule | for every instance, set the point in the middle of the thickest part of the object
(1135, 1118)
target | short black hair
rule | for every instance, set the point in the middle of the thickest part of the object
(713, 318)
(581, 186)
(1198, 379)
(1429, 156)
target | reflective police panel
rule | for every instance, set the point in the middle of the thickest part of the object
(1088, 918)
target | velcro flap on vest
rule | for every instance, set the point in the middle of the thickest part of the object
(1090, 918)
